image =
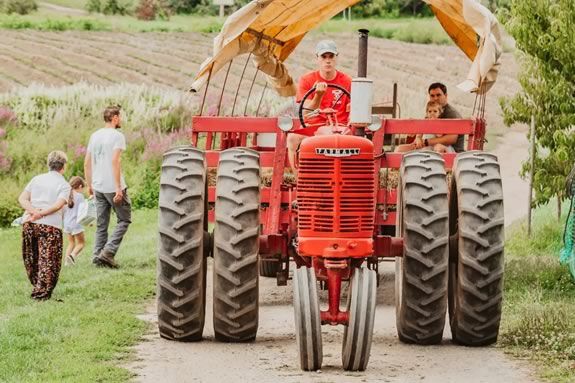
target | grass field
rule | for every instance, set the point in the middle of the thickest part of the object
(539, 304)
(86, 337)
(418, 30)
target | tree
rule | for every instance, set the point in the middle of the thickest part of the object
(544, 31)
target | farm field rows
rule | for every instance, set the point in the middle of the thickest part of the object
(170, 61)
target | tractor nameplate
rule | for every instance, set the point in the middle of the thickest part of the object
(333, 152)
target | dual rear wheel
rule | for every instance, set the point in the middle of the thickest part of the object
(182, 262)
(453, 249)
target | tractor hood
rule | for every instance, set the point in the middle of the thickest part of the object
(271, 29)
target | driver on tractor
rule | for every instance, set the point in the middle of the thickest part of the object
(332, 102)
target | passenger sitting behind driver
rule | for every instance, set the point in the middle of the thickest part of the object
(432, 112)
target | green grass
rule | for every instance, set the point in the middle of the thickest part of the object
(539, 306)
(86, 337)
(416, 30)
(411, 30)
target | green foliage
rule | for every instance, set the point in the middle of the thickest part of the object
(88, 336)
(153, 120)
(16, 22)
(546, 329)
(544, 33)
(148, 192)
(109, 7)
(21, 7)
(94, 6)
(9, 209)
(496, 5)
(390, 8)
(539, 297)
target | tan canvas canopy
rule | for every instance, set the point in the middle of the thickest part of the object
(475, 30)
(271, 29)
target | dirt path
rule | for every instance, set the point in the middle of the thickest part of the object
(61, 9)
(273, 357)
(512, 149)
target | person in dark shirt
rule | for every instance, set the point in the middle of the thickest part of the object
(438, 92)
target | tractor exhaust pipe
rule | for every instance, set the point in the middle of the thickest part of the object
(361, 90)
(362, 55)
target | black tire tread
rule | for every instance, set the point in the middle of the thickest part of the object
(236, 246)
(181, 263)
(358, 334)
(307, 318)
(422, 304)
(478, 290)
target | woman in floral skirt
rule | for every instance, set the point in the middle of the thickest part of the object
(43, 199)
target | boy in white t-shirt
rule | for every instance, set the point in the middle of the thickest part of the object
(102, 168)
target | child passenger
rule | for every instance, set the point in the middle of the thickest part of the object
(74, 231)
(432, 112)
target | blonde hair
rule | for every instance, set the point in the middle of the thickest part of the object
(431, 104)
(56, 160)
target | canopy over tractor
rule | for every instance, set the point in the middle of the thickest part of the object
(339, 215)
(271, 30)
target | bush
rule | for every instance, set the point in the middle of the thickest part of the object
(9, 210)
(94, 6)
(21, 7)
(150, 9)
(108, 7)
(115, 7)
(148, 192)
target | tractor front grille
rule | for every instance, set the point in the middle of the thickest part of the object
(336, 196)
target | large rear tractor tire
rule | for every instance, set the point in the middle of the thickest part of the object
(421, 275)
(307, 318)
(358, 334)
(236, 245)
(476, 223)
(181, 261)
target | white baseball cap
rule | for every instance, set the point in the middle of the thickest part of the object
(326, 46)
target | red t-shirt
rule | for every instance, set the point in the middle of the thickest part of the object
(307, 82)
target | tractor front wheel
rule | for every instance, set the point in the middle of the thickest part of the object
(358, 333)
(307, 318)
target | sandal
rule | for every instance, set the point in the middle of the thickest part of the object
(70, 260)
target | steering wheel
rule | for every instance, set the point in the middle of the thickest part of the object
(318, 111)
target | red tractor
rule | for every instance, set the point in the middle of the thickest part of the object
(333, 225)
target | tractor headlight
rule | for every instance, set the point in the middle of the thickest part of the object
(375, 123)
(285, 123)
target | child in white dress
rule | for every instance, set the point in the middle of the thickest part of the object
(74, 231)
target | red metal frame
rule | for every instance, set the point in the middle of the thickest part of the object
(278, 215)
